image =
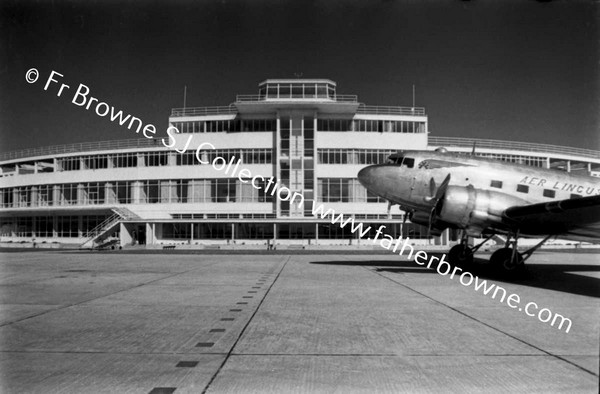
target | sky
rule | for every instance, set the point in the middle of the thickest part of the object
(519, 70)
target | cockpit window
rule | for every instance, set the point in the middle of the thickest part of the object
(401, 160)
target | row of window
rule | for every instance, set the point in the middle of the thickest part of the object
(371, 125)
(135, 192)
(353, 156)
(296, 90)
(227, 126)
(242, 125)
(160, 158)
(345, 190)
(525, 189)
(189, 231)
(79, 226)
(527, 160)
(50, 226)
(171, 192)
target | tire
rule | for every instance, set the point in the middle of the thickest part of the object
(460, 255)
(501, 260)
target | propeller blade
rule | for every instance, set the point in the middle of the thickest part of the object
(442, 189)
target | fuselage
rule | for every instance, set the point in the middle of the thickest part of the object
(412, 178)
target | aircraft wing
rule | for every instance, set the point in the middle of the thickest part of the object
(577, 218)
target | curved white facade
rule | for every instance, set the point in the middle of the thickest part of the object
(300, 132)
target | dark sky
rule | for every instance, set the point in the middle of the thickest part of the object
(513, 70)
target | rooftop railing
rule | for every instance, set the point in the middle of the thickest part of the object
(512, 145)
(380, 110)
(345, 98)
(433, 141)
(202, 111)
(82, 147)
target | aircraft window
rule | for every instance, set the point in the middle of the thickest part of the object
(395, 159)
(497, 184)
(523, 188)
(410, 163)
(549, 193)
(573, 195)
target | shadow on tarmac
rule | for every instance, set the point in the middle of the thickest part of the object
(558, 277)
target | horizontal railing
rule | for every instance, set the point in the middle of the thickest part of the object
(381, 110)
(512, 145)
(346, 98)
(81, 147)
(437, 141)
(201, 111)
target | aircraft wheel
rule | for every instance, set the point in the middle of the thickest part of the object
(460, 255)
(502, 260)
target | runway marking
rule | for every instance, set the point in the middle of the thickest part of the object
(162, 390)
(227, 319)
(205, 344)
(481, 322)
(241, 303)
(186, 364)
(235, 310)
(247, 297)
(241, 333)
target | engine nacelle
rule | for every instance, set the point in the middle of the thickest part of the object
(476, 209)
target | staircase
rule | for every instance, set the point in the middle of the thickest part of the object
(98, 236)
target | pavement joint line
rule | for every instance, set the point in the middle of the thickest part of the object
(97, 298)
(401, 355)
(482, 322)
(229, 353)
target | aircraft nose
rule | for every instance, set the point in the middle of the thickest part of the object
(366, 176)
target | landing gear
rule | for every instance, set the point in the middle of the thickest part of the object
(508, 260)
(461, 255)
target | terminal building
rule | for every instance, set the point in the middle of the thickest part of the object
(301, 132)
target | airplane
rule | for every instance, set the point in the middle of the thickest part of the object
(486, 197)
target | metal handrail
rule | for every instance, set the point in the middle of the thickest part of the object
(200, 111)
(82, 147)
(99, 229)
(151, 143)
(383, 110)
(512, 145)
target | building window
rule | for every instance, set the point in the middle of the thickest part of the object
(123, 192)
(124, 160)
(523, 188)
(223, 190)
(67, 226)
(44, 226)
(68, 194)
(95, 162)
(549, 193)
(69, 163)
(156, 159)
(496, 184)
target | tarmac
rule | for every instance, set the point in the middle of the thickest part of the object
(74, 322)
